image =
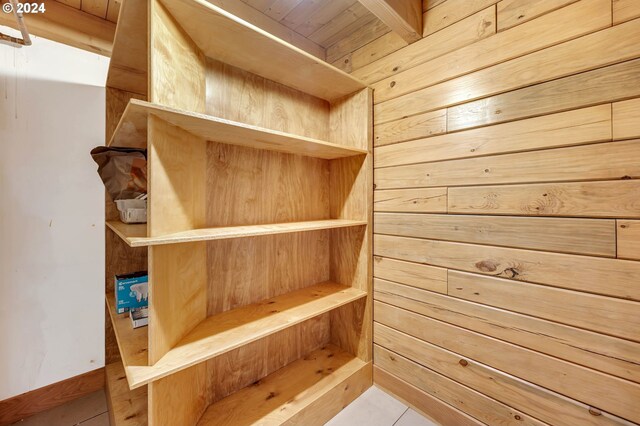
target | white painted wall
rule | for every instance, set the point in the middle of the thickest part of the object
(51, 215)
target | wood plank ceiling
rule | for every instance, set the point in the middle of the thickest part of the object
(324, 22)
(105, 9)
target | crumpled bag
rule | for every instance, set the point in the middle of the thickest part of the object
(122, 170)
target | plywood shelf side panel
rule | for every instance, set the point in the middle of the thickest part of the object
(135, 234)
(126, 407)
(128, 66)
(227, 38)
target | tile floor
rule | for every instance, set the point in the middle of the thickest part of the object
(373, 408)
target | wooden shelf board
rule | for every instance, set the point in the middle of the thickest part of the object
(132, 132)
(231, 40)
(126, 407)
(132, 342)
(307, 389)
(135, 235)
(228, 330)
(128, 64)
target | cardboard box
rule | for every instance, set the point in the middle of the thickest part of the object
(132, 291)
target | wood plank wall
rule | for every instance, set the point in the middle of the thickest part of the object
(507, 211)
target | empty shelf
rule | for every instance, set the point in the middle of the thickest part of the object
(231, 40)
(229, 330)
(132, 132)
(135, 235)
(325, 377)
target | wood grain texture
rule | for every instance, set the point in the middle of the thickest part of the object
(608, 84)
(423, 200)
(577, 381)
(624, 10)
(469, 30)
(128, 67)
(343, 49)
(516, 12)
(413, 274)
(35, 401)
(418, 126)
(474, 403)
(549, 407)
(605, 315)
(229, 330)
(575, 127)
(351, 184)
(313, 388)
(175, 176)
(616, 199)
(183, 392)
(450, 12)
(626, 119)
(374, 51)
(214, 31)
(611, 277)
(557, 61)
(237, 95)
(126, 407)
(603, 353)
(544, 32)
(628, 239)
(403, 17)
(595, 237)
(420, 400)
(132, 132)
(606, 161)
(243, 366)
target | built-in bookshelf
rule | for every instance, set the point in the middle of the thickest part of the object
(258, 241)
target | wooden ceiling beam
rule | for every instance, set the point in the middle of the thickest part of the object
(404, 17)
(68, 25)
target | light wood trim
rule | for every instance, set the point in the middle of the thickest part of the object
(135, 235)
(229, 39)
(308, 391)
(132, 132)
(421, 401)
(228, 330)
(126, 407)
(128, 68)
(404, 17)
(65, 24)
(35, 401)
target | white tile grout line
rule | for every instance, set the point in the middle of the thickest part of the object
(398, 419)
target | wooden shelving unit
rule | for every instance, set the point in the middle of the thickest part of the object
(136, 235)
(258, 241)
